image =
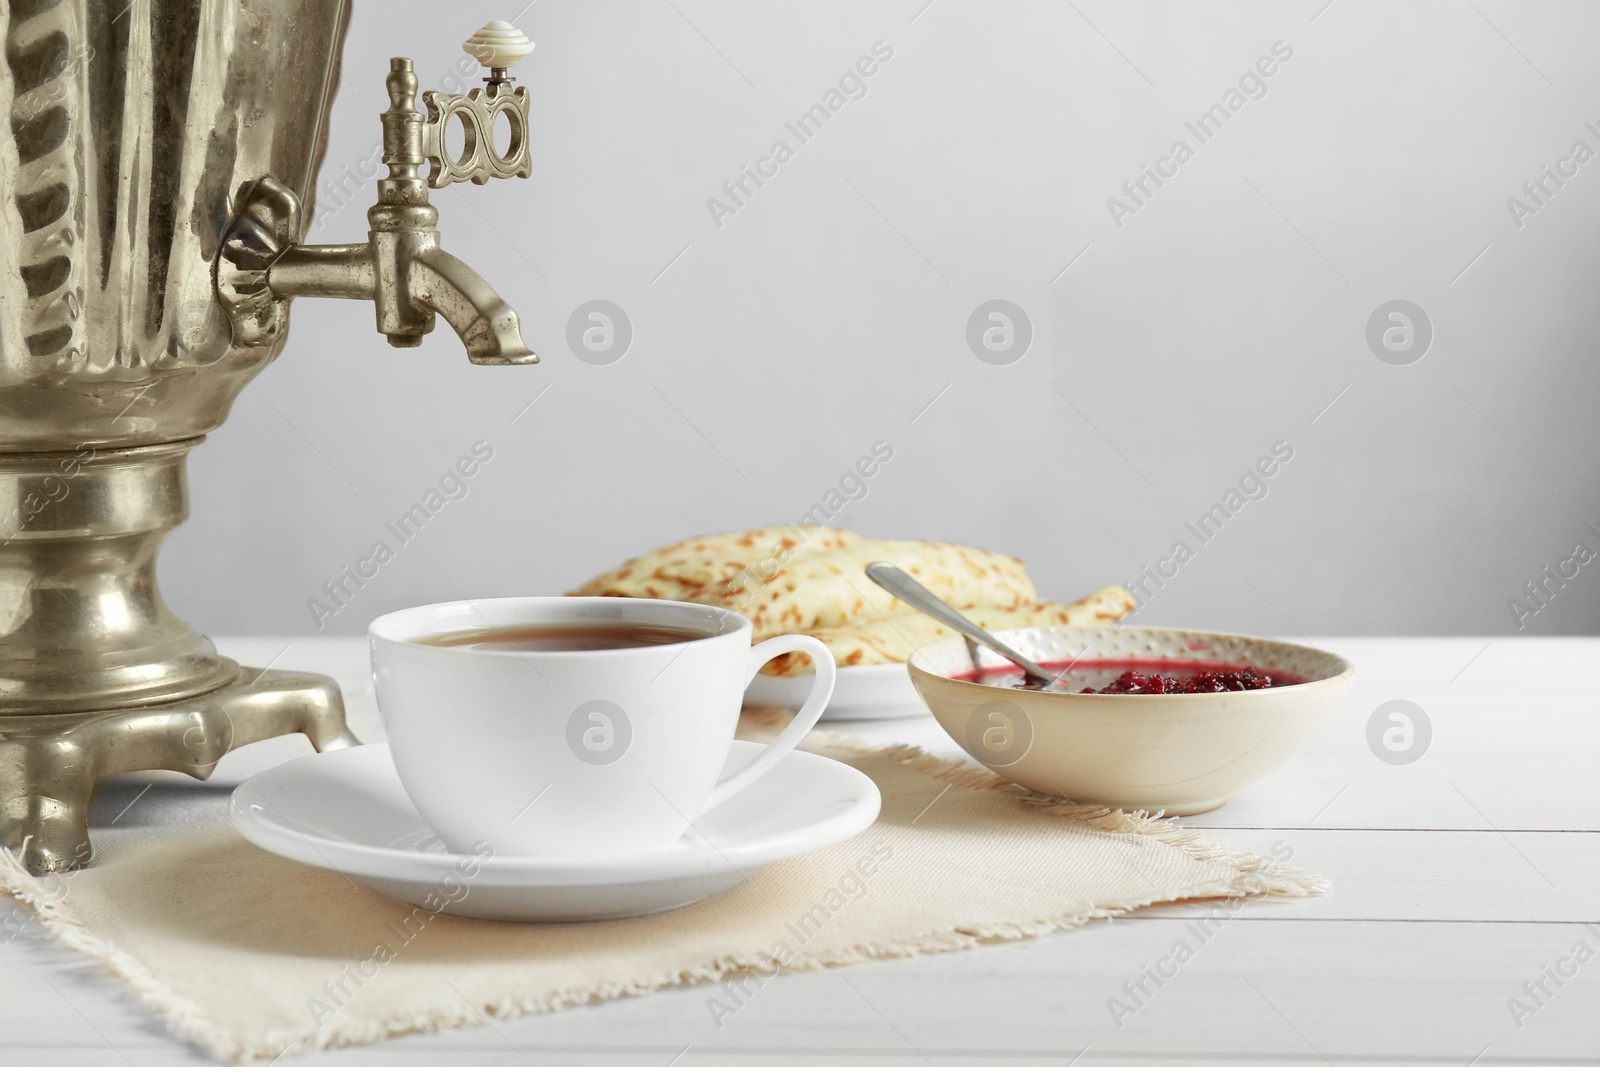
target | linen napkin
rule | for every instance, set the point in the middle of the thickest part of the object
(250, 956)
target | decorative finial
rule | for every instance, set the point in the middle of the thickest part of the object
(497, 46)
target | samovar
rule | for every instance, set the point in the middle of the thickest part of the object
(157, 168)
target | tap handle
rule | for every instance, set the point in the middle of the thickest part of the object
(497, 47)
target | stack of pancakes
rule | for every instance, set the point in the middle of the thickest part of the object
(811, 580)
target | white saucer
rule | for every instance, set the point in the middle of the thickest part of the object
(346, 811)
(881, 691)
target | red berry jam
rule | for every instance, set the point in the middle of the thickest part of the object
(1226, 680)
(1127, 676)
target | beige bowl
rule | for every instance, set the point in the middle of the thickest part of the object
(1183, 753)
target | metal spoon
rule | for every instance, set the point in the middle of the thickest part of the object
(913, 592)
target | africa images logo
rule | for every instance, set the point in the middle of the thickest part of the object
(599, 732)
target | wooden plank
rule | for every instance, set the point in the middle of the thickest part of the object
(1413, 875)
(1293, 991)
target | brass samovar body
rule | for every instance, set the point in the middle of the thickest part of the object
(156, 173)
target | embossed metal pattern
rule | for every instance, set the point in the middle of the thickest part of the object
(477, 113)
(130, 130)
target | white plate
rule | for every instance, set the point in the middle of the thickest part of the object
(346, 811)
(881, 691)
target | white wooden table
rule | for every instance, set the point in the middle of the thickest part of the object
(1457, 879)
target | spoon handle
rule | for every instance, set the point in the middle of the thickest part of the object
(906, 588)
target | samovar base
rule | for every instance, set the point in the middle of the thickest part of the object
(50, 764)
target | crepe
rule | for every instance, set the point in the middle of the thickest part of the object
(893, 639)
(701, 568)
(812, 580)
(830, 589)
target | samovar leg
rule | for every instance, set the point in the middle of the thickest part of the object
(46, 785)
(50, 764)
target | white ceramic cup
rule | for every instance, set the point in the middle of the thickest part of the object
(579, 753)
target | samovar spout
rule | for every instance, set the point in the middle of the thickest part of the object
(401, 268)
(427, 279)
(483, 320)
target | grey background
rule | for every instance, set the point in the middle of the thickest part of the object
(830, 312)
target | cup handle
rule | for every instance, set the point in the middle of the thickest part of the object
(804, 719)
